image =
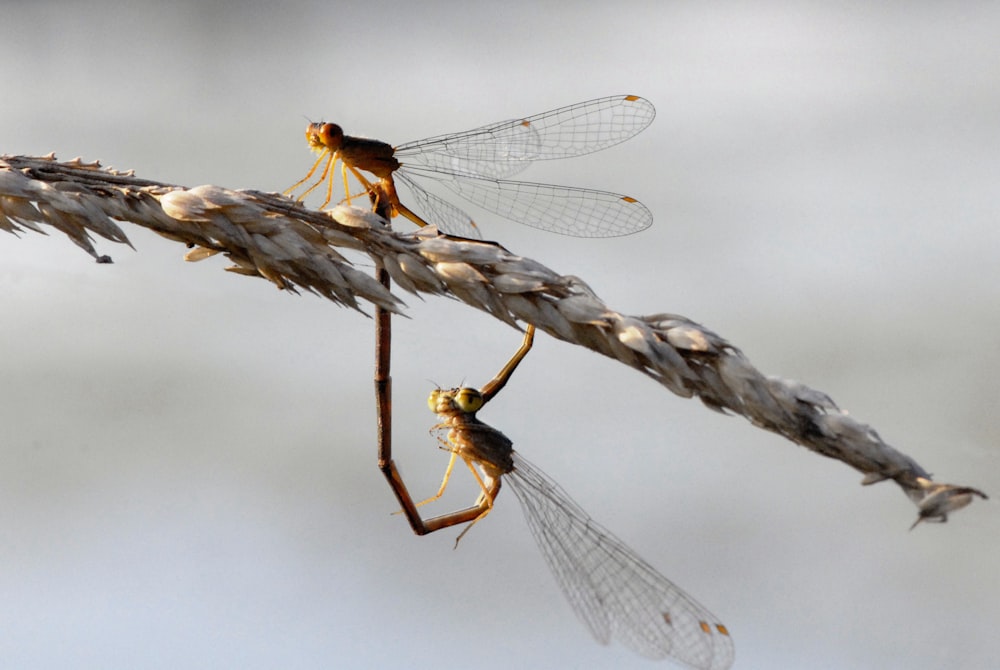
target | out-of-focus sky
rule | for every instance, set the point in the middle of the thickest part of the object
(187, 457)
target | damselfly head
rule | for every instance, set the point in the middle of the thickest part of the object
(324, 136)
(449, 401)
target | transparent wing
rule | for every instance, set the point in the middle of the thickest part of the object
(475, 164)
(501, 150)
(500, 158)
(439, 212)
(579, 212)
(613, 591)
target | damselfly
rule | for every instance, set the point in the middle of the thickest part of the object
(477, 165)
(614, 592)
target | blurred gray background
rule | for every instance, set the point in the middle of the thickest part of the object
(188, 468)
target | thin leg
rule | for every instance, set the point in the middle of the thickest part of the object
(306, 178)
(374, 192)
(347, 188)
(444, 481)
(330, 167)
(327, 170)
(484, 502)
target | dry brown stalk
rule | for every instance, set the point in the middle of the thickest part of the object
(270, 236)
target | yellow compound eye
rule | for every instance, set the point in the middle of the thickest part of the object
(468, 400)
(434, 398)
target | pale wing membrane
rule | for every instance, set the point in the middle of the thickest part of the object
(613, 591)
(574, 130)
(475, 164)
(439, 212)
(502, 158)
(572, 211)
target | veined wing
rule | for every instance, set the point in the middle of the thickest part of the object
(497, 157)
(612, 590)
(579, 212)
(502, 149)
(438, 211)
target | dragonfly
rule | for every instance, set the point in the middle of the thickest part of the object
(616, 593)
(477, 166)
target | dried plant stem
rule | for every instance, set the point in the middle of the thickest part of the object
(273, 237)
